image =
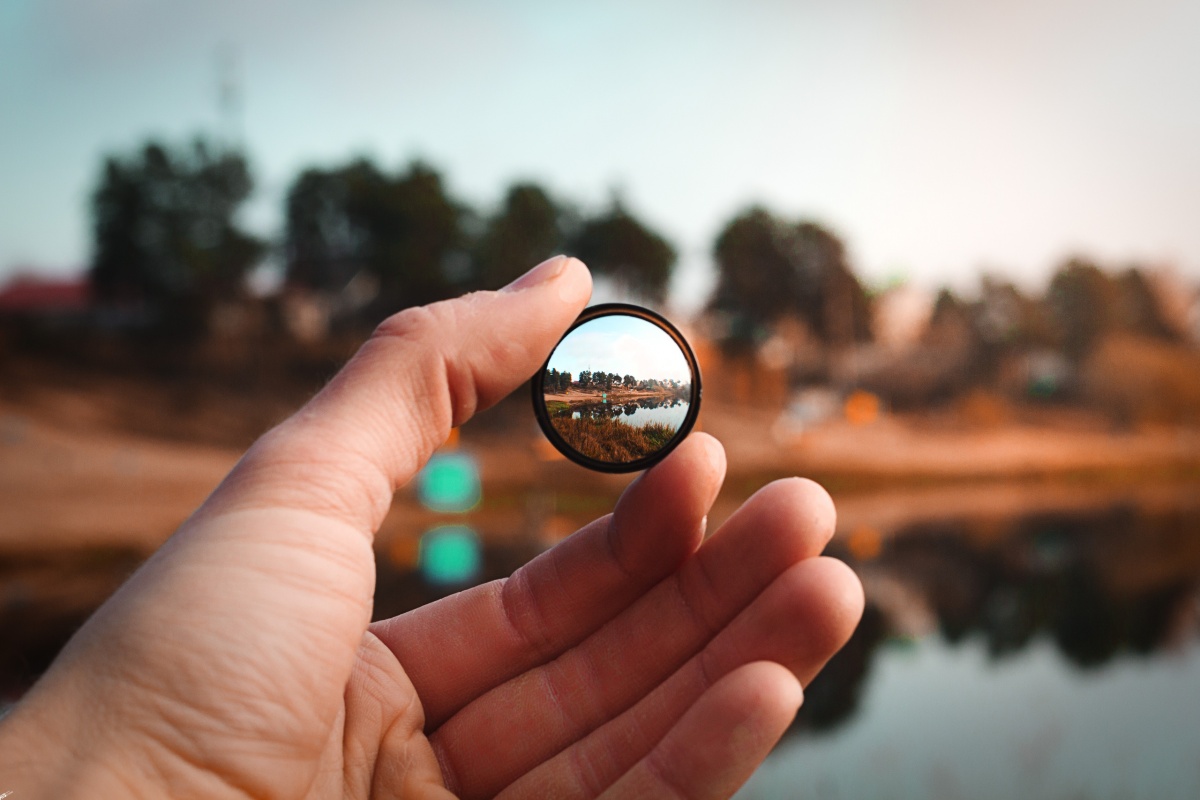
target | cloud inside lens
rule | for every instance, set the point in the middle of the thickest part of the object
(624, 345)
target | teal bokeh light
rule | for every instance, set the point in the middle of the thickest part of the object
(449, 483)
(450, 554)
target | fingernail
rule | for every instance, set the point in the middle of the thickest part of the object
(546, 271)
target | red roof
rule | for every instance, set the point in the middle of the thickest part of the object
(26, 293)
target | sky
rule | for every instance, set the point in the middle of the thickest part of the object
(938, 138)
(624, 345)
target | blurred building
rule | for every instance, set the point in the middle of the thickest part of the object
(32, 296)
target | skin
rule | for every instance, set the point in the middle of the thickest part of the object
(635, 658)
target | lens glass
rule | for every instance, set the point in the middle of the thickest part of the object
(619, 390)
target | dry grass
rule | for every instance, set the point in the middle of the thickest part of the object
(612, 440)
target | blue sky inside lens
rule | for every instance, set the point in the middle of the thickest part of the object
(624, 345)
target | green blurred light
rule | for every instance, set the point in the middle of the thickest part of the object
(450, 554)
(449, 483)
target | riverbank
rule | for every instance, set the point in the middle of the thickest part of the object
(924, 449)
(101, 461)
(616, 396)
(611, 440)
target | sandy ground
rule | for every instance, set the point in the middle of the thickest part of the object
(908, 448)
(64, 485)
(63, 488)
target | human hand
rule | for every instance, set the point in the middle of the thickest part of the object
(629, 660)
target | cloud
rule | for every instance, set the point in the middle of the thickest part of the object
(625, 345)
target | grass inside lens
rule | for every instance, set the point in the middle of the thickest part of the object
(611, 440)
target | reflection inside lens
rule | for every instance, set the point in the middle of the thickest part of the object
(617, 389)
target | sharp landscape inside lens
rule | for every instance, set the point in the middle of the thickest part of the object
(619, 391)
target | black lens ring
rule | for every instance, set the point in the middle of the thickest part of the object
(689, 420)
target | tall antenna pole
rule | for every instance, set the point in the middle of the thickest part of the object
(229, 95)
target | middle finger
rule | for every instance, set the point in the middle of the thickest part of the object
(517, 725)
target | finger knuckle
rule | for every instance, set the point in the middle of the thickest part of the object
(422, 323)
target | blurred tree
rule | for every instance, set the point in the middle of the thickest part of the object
(404, 231)
(1007, 319)
(1006, 323)
(528, 229)
(769, 268)
(827, 291)
(949, 321)
(1139, 310)
(327, 240)
(629, 380)
(617, 245)
(164, 232)
(1083, 304)
(1088, 305)
(755, 276)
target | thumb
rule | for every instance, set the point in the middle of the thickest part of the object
(423, 370)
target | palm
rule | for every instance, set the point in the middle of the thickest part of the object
(628, 659)
(562, 679)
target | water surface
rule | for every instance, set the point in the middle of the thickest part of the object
(1038, 655)
(639, 412)
(1044, 656)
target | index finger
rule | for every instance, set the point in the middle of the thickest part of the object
(423, 371)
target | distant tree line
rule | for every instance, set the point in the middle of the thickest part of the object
(606, 381)
(769, 267)
(168, 241)
(556, 381)
(1082, 306)
(167, 235)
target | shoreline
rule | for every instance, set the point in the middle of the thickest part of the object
(573, 398)
(79, 468)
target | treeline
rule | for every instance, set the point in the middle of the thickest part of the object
(167, 237)
(168, 244)
(606, 381)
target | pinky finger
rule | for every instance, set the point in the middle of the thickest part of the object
(715, 747)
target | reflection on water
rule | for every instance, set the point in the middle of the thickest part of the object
(946, 720)
(638, 412)
(1052, 656)
(449, 555)
(1042, 655)
(449, 483)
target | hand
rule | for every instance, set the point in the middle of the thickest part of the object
(629, 660)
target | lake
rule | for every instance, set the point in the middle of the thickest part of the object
(639, 412)
(1037, 654)
(1054, 656)
(1034, 654)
